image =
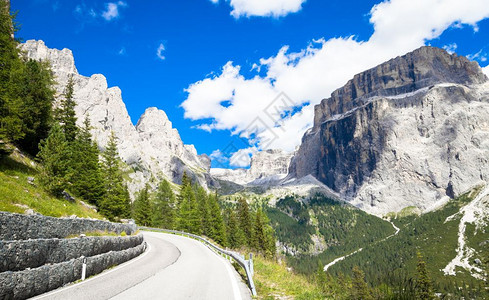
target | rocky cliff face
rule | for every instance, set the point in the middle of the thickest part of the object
(270, 162)
(266, 167)
(151, 148)
(411, 131)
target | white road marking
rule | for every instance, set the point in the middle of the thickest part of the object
(234, 284)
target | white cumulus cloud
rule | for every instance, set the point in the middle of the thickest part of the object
(450, 48)
(486, 70)
(480, 56)
(264, 8)
(112, 10)
(242, 104)
(159, 51)
(241, 158)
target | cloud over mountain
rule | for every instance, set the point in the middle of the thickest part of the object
(235, 102)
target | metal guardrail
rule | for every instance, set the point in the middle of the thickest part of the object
(246, 264)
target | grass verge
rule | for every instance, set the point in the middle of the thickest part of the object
(17, 194)
(274, 281)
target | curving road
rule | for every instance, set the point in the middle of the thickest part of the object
(173, 267)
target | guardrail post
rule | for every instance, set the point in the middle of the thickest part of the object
(250, 264)
(84, 268)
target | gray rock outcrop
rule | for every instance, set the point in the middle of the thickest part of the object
(151, 148)
(267, 167)
(409, 132)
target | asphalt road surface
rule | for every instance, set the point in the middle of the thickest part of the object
(173, 267)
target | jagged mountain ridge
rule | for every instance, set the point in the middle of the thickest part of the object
(266, 167)
(411, 131)
(152, 148)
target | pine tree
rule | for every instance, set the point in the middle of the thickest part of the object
(263, 235)
(205, 217)
(186, 182)
(183, 208)
(87, 180)
(65, 114)
(10, 107)
(189, 219)
(424, 289)
(271, 247)
(183, 220)
(195, 220)
(217, 226)
(164, 206)
(360, 290)
(26, 92)
(54, 156)
(142, 208)
(259, 237)
(115, 204)
(245, 221)
(235, 235)
(33, 84)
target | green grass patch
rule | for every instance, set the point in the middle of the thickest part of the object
(273, 281)
(17, 195)
(405, 212)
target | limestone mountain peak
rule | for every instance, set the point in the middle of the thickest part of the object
(152, 148)
(405, 133)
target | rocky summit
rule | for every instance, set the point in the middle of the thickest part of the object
(152, 148)
(267, 167)
(412, 131)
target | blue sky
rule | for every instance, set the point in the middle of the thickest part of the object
(219, 68)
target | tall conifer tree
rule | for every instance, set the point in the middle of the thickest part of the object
(245, 221)
(10, 108)
(217, 226)
(203, 206)
(87, 181)
(26, 93)
(65, 114)
(142, 208)
(115, 204)
(33, 84)
(164, 211)
(235, 235)
(53, 154)
(360, 290)
(424, 288)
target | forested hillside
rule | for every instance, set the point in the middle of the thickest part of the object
(315, 230)
(394, 261)
(400, 266)
(194, 210)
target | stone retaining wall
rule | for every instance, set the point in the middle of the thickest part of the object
(22, 254)
(32, 282)
(36, 256)
(23, 227)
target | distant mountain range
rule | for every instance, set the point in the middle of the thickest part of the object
(412, 131)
